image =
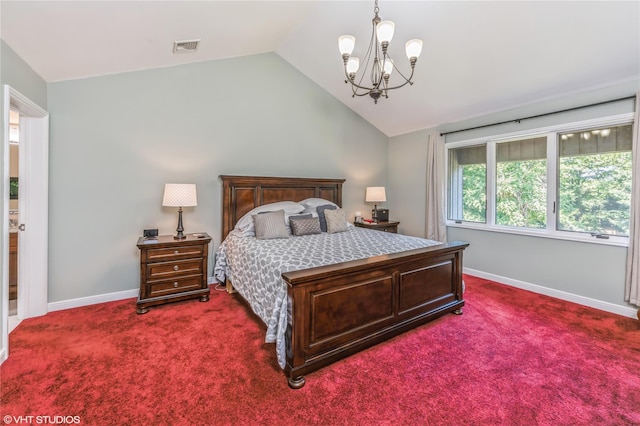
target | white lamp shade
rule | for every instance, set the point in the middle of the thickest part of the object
(346, 43)
(413, 48)
(180, 195)
(385, 31)
(375, 194)
(353, 64)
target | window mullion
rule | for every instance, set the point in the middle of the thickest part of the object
(491, 183)
(552, 181)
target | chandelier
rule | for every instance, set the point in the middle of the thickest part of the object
(381, 66)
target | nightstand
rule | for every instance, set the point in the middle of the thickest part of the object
(172, 270)
(380, 226)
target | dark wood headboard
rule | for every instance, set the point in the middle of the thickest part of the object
(240, 194)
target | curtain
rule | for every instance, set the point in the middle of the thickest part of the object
(436, 182)
(632, 282)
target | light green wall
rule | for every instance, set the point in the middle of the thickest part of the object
(15, 72)
(18, 74)
(407, 182)
(587, 270)
(116, 140)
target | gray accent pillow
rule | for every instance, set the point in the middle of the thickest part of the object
(321, 210)
(336, 221)
(298, 217)
(270, 225)
(308, 226)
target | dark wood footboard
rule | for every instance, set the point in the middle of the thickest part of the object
(340, 309)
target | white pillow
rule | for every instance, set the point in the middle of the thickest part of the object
(311, 205)
(245, 225)
(315, 202)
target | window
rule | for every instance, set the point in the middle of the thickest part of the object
(521, 183)
(569, 181)
(468, 189)
(595, 181)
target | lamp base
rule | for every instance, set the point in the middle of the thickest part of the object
(179, 235)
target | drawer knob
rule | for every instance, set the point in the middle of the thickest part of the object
(175, 268)
(175, 285)
(176, 252)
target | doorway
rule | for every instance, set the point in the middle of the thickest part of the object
(14, 219)
(33, 216)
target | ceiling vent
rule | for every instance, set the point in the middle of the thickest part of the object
(185, 46)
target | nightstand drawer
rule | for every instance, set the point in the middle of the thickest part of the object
(162, 254)
(164, 270)
(175, 286)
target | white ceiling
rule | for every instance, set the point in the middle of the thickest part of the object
(478, 57)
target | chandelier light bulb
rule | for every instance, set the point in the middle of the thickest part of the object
(346, 43)
(413, 48)
(385, 31)
(387, 68)
(352, 65)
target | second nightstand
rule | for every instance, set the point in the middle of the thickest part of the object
(173, 270)
(380, 226)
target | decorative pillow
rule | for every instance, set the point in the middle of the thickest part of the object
(321, 215)
(270, 225)
(246, 226)
(298, 217)
(336, 221)
(308, 226)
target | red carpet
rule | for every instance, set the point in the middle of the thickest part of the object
(513, 358)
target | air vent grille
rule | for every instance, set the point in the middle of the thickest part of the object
(185, 46)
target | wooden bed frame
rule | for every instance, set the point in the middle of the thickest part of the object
(338, 310)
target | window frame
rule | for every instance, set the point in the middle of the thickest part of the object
(553, 145)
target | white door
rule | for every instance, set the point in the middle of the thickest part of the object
(33, 202)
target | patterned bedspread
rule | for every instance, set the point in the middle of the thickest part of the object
(255, 266)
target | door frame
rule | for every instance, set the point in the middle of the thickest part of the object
(33, 208)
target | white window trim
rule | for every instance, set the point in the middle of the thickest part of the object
(552, 185)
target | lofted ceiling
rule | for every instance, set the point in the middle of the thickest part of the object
(478, 57)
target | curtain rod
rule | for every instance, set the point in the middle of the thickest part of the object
(518, 120)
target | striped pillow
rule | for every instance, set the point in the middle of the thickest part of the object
(270, 225)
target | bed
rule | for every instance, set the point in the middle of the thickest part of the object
(332, 311)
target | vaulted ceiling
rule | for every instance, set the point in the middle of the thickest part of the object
(478, 56)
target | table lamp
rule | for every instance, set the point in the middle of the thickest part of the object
(375, 194)
(179, 195)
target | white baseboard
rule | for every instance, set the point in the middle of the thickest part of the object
(101, 298)
(569, 297)
(581, 300)
(92, 300)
